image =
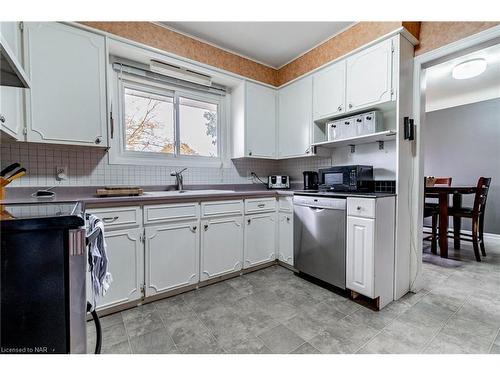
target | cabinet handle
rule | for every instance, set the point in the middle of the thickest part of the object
(350, 105)
(97, 140)
(250, 153)
(261, 205)
(109, 219)
(249, 221)
(193, 228)
(205, 226)
(339, 108)
(2, 118)
(288, 219)
(307, 150)
(359, 208)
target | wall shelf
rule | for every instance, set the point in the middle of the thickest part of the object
(386, 135)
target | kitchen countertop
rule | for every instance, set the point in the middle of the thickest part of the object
(163, 194)
(153, 195)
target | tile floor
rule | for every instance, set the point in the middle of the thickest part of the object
(274, 311)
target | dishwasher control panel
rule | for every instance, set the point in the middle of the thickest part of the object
(320, 202)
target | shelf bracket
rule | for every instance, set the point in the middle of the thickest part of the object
(380, 145)
(353, 149)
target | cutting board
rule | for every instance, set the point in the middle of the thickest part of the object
(119, 191)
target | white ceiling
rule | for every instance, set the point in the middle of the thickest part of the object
(443, 91)
(271, 43)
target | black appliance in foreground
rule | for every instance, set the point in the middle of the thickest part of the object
(43, 264)
(347, 178)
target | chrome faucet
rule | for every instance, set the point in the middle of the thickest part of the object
(178, 179)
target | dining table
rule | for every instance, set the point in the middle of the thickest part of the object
(442, 192)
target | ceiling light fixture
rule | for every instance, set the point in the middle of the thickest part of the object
(469, 69)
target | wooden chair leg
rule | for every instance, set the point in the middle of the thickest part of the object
(475, 240)
(481, 238)
(434, 234)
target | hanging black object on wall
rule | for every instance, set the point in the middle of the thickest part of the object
(409, 128)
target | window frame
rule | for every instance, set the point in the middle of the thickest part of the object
(117, 151)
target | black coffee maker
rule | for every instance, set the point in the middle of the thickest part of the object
(310, 180)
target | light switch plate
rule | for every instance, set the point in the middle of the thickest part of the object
(61, 173)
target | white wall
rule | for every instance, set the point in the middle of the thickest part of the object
(383, 161)
(464, 142)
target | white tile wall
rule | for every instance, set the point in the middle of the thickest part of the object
(89, 167)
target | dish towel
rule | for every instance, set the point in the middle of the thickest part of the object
(98, 259)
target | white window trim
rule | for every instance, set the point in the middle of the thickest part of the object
(117, 153)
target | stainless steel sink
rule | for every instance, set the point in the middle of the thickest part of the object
(185, 192)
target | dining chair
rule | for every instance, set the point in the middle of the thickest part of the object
(476, 213)
(431, 209)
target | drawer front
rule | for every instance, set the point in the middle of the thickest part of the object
(118, 217)
(221, 208)
(260, 205)
(171, 212)
(285, 204)
(362, 207)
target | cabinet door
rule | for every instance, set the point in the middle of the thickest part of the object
(126, 256)
(360, 253)
(67, 99)
(221, 246)
(260, 121)
(285, 238)
(329, 91)
(369, 76)
(295, 119)
(260, 239)
(11, 98)
(172, 256)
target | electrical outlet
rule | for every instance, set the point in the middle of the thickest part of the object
(61, 173)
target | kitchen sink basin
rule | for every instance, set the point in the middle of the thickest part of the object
(184, 192)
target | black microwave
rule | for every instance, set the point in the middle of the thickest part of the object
(356, 178)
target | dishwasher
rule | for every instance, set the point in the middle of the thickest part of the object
(319, 238)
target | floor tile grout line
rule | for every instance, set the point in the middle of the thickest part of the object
(126, 332)
(204, 325)
(387, 325)
(494, 340)
(426, 345)
(166, 329)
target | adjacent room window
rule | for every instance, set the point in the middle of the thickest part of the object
(166, 125)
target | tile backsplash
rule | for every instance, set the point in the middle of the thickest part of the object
(89, 167)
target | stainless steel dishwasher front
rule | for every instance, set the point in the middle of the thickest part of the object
(319, 238)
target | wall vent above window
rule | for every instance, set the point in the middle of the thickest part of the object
(180, 72)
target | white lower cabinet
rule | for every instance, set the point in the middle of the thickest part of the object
(125, 254)
(260, 239)
(360, 275)
(172, 256)
(221, 246)
(285, 237)
(370, 247)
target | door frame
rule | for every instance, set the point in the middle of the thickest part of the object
(421, 63)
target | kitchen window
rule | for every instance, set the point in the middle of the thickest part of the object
(161, 124)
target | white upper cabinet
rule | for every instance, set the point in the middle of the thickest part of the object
(67, 100)
(11, 98)
(295, 119)
(329, 91)
(254, 121)
(369, 76)
(260, 121)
